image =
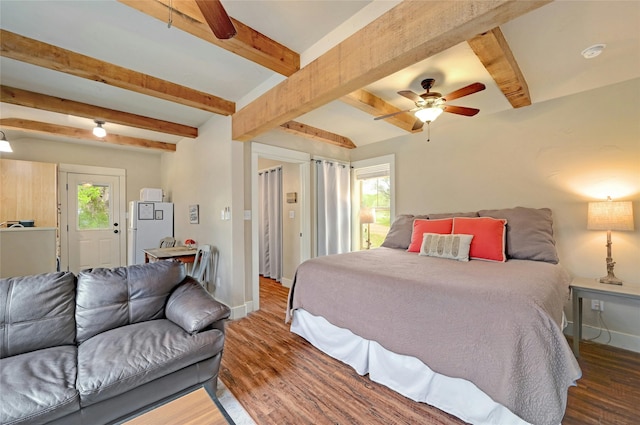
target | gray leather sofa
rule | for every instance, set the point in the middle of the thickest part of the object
(110, 343)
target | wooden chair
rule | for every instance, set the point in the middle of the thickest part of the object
(167, 242)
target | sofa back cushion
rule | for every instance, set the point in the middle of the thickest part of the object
(36, 312)
(110, 298)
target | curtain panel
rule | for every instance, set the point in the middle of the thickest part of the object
(333, 214)
(270, 223)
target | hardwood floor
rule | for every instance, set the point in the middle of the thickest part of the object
(279, 378)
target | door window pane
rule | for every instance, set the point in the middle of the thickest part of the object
(93, 207)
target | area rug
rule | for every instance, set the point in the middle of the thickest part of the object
(232, 406)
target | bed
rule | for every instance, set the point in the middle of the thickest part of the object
(481, 340)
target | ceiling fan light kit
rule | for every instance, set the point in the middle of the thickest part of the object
(429, 114)
(430, 105)
(98, 130)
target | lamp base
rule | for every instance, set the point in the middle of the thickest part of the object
(611, 279)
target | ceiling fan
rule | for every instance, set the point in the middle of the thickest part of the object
(430, 105)
(217, 18)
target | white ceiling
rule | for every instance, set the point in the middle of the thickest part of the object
(546, 43)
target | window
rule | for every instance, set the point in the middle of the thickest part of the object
(373, 201)
(93, 207)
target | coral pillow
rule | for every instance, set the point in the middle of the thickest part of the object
(420, 227)
(489, 236)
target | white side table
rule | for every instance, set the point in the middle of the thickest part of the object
(591, 288)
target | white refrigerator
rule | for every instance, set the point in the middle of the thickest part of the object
(148, 223)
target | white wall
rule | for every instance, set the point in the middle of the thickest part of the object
(205, 171)
(559, 154)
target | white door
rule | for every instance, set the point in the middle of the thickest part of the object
(95, 227)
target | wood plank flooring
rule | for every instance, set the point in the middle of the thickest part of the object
(279, 378)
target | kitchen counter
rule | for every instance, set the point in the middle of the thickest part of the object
(27, 250)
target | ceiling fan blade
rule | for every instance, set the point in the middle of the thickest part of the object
(217, 18)
(410, 95)
(417, 125)
(381, 117)
(461, 110)
(464, 91)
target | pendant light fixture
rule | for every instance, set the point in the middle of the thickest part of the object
(4, 144)
(98, 130)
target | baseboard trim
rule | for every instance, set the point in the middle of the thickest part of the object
(287, 283)
(240, 311)
(618, 339)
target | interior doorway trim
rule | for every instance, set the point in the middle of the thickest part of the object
(303, 159)
(63, 171)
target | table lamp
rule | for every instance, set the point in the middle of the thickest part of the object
(610, 215)
(367, 216)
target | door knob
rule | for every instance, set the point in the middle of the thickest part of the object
(115, 224)
(115, 231)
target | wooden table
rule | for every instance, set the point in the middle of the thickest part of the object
(195, 408)
(592, 288)
(182, 253)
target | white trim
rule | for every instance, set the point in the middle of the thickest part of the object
(303, 159)
(240, 311)
(286, 282)
(89, 169)
(618, 339)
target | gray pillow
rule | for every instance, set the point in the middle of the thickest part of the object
(450, 215)
(399, 235)
(529, 233)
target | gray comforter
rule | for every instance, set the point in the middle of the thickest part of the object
(497, 325)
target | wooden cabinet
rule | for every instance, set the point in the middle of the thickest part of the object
(28, 191)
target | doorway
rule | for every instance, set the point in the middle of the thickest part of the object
(92, 217)
(301, 161)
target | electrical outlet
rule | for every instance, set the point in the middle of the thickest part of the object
(597, 305)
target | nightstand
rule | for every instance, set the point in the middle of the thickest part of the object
(591, 288)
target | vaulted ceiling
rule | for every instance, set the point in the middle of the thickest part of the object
(321, 70)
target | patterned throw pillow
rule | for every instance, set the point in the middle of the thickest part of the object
(455, 247)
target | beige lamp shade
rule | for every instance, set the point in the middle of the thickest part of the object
(610, 215)
(367, 216)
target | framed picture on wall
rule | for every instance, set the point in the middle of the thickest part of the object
(194, 216)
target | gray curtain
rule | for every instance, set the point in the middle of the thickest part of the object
(270, 223)
(333, 217)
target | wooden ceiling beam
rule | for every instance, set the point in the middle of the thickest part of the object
(37, 53)
(373, 105)
(247, 43)
(45, 102)
(83, 134)
(307, 131)
(404, 35)
(258, 48)
(495, 54)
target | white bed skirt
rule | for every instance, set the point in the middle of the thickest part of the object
(403, 374)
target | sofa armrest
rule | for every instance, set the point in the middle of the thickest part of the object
(192, 308)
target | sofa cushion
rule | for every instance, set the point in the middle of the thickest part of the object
(39, 386)
(192, 308)
(121, 359)
(110, 298)
(23, 327)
